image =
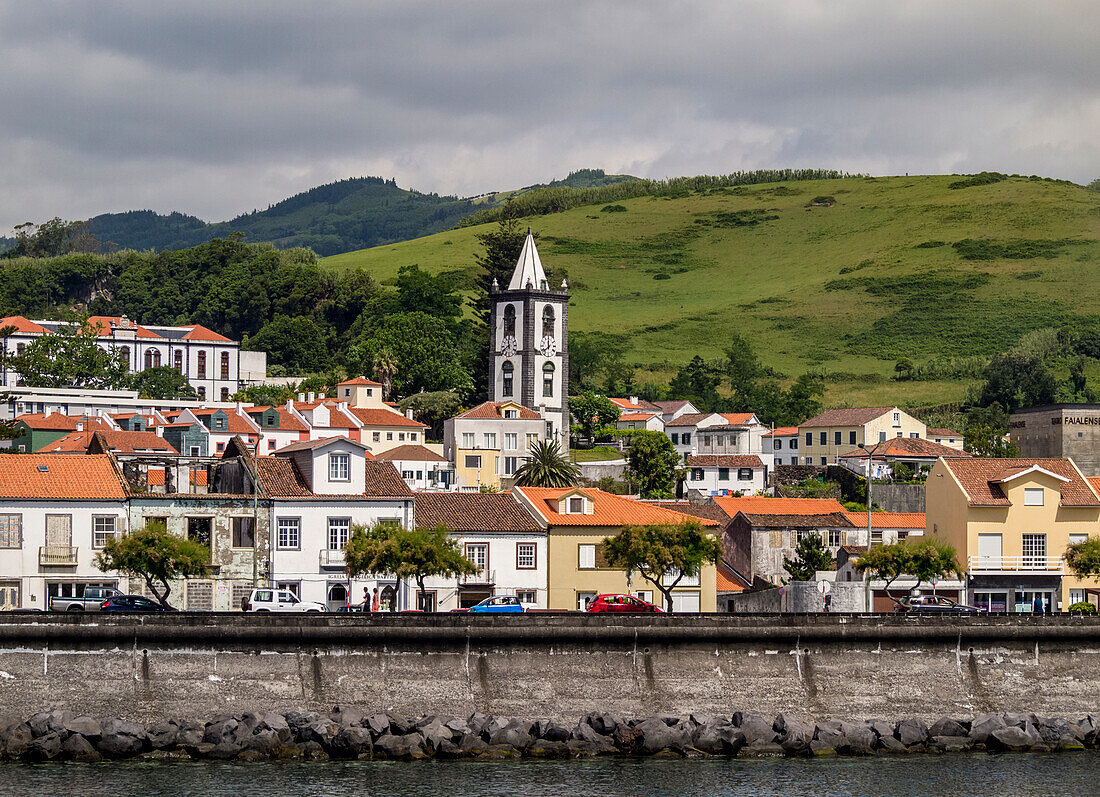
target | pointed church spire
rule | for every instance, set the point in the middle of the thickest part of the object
(529, 271)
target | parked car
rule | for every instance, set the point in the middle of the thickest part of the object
(133, 603)
(279, 600)
(932, 604)
(498, 604)
(622, 603)
(90, 602)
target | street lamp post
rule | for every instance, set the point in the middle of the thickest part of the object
(867, 451)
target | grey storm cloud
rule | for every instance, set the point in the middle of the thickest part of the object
(215, 108)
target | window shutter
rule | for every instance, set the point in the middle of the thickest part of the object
(777, 539)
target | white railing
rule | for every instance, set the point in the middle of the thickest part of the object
(480, 577)
(332, 558)
(57, 555)
(1015, 564)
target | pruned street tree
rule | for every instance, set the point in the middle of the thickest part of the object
(405, 553)
(926, 559)
(663, 553)
(156, 556)
(1083, 558)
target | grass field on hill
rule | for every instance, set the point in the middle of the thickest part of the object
(842, 277)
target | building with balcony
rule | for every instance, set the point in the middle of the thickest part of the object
(827, 436)
(488, 443)
(421, 468)
(56, 512)
(1010, 521)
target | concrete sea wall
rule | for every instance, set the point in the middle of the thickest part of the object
(558, 666)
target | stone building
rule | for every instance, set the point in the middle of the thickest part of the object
(1059, 430)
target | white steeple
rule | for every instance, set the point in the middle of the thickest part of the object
(529, 272)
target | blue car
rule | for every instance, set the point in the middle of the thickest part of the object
(498, 604)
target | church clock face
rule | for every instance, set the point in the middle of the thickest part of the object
(549, 346)
(508, 346)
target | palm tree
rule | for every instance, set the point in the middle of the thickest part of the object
(546, 467)
(385, 367)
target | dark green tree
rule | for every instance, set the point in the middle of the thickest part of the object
(433, 409)
(71, 357)
(162, 382)
(297, 343)
(264, 395)
(424, 351)
(155, 555)
(593, 415)
(698, 382)
(501, 248)
(421, 292)
(652, 464)
(1017, 380)
(743, 369)
(546, 466)
(1083, 558)
(810, 555)
(663, 554)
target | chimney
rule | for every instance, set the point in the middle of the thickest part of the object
(159, 431)
(342, 406)
(47, 412)
(633, 399)
(301, 397)
(409, 414)
(80, 427)
(310, 397)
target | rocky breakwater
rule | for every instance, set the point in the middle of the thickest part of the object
(349, 734)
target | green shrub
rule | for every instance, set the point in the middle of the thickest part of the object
(661, 275)
(930, 244)
(613, 209)
(823, 201)
(982, 178)
(1082, 607)
(1013, 248)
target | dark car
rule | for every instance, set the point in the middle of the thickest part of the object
(622, 603)
(133, 603)
(932, 604)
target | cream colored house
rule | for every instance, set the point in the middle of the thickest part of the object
(834, 432)
(489, 442)
(1010, 521)
(577, 520)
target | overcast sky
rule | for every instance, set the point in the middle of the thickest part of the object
(216, 108)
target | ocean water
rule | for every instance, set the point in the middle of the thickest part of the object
(973, 775)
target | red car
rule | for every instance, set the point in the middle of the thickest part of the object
(621, 603)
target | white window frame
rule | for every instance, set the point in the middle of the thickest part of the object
(339, 531)
(11, 528)
(586, 557)
(288, 528)
(99, 535)
(511, 441)
(526, 556)
(339, 467)
(469, 440)
(1034, 496)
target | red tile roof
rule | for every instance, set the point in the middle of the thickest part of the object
(55, 421)
(473, 512)
(308, 445)
(61, 477)
(887, 520)
(117, 441)
(336, 418)
(410, 453)
(199, 332)
(907, 446)
(855, 416)
(799, 521)
(21, 324)
(723, 461)
(782, 431)
(709, 511)
(762, 505)
(690, 418)
(288, 421)
(738, 418)
(608, 509)
(640, 405)
(376, 416)
(108, 325)
(281, 478)
(943, 433)
(638, 416)
(235, 425)
(491, 409)
(979, 477)
(384, 481)
(725, 581)
(359, 380)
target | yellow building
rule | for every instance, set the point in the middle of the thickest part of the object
(1010, 521)
(827, 436)
(490, 442)
(577, 520)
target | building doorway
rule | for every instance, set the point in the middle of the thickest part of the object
(337, 596)
(1039, 601)
(9, 596)
(471, 596)
(387, 598)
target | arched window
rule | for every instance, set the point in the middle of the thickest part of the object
(510, 320)
(202, 365)
(152, 358)
(548, 379)
(225, 365)
(507, 370)
(125, 352)
(548, 321)
(179, 360)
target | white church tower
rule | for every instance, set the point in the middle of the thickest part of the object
(529, 344)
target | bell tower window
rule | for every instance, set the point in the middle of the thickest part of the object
(548, 321)
(548, 379)
(510, 320)
(507, 371)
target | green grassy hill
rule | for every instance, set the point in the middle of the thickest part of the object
(842, 277)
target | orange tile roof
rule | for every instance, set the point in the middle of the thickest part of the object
(411, 453)
(473, 512)
(854, 416)
(154, 477)
(979, 477)
(117, 441)
(288, 421)
(55, 421)
(60, 477)
(907, 446)
(281, 478)
(763, 505)
(724, 581)
(638, 416)
(782, 431)
(235, 425)
(943, 433)
(199, 332)
(608, 509)
(491, 409)
(108, 325)
(376, 416)
(738, 418)
(723, 461)
(640, 404)
(21, 324)
(359, 380)
(888, 520)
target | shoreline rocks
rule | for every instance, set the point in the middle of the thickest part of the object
(346, 733)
